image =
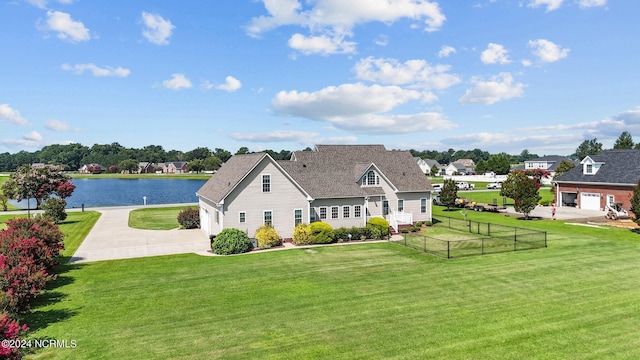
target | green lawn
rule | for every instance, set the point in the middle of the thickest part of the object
(156, 218)
(487, 196)
(576, 299)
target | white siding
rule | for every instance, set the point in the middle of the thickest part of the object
(341, 221)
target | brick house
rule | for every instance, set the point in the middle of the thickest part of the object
(598, 180)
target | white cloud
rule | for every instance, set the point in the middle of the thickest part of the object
(416, 73)
(96, 70)
(32, 136)
(562, 142)
(591, 3)
(56, 125)
(66, 27)
(445, 51)
(42, 4)
(157, 29)
(498, 88)
(550, 4)
(11, 115)
(231, 84)
(526, 63)
(330, 21)
(547, 51)
(359, 108)
(305, 138)
(495, 54)
(322, 44)
(177, 82)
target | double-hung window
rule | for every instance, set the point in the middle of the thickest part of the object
(357, 211)
(243, 217)
(268, 218)
(400, 205)
(297, 217)
(346, 212)
(266, 183)
(423, 205)
(323, 213)
(334, 212)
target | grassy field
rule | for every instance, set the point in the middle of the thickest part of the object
(487, 196)
(576, 299)
(156, 218)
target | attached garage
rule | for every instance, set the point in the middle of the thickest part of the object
(590, 201)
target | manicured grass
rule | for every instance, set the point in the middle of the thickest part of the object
(487, 196)
(156, 218)
(575, 299)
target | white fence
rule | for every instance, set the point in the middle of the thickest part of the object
(477, 178)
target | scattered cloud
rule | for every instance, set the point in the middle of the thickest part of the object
(177, 82)
(304, 138)
(11, 115)
(42, 4)
(497, 88)
(56, 125)
(382, 40)
(33, 136)
(550, 4)
(547, 51)
(67, 29)
(445, 51)
(330, 21)
(231, 84)
(414, 73)
(591, 3)
(495, 54)
(157, 30)
(322, 44)
(359, 108)
(96, 70)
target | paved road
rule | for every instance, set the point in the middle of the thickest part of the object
(111, 238)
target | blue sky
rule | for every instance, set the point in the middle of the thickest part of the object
(499, 75)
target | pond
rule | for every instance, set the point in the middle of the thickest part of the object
(119, 192)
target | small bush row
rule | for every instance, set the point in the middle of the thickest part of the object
(189, 219)
(320, 232)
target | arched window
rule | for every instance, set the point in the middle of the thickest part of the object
(371, 177)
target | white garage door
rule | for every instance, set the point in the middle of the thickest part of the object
(204, 221)
(590, 201)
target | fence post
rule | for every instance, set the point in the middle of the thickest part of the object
(482, 239)
(448, 250)
(405, 239)
(515, 239)
(488, 229)
(425, 243)
(545, 239)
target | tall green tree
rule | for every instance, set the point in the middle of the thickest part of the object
(196, 165)
(38, 183)
(588, 147)
(563, 167)
(198, 153)
(449, 193)
(128, 165)
(211, 163)
(434, 170)
(523, 190)
(624, 141)
(499, 164)
(635, 203)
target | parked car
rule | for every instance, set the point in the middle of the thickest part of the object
(437, 201)
(463, 185)
(494, 185)
(436, 188)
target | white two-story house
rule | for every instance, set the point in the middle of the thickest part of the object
(343, 185)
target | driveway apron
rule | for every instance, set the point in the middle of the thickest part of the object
(111, 238)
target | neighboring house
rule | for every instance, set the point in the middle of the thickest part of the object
(548, 163)
(91, 169)
(146, 167)
(176, 167)
(600, 180)
(343, 185)
(427, 164)
(455, 169)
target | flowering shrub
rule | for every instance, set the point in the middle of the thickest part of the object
(189, 218)
(267, 237)
(231, 241)
(48, 233)
(10, 330)
(302, 234)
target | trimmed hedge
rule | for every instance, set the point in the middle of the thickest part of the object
(381, 224)
(321, 232)
(231, 241)
(302, 234)
(267, 237)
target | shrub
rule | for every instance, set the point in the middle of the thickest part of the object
(428, 223)
(419, 224)
(267, 237)
(374, 232)
(405, 230)
(381, 223)
(321, 233)
(11, 330)
(189, 218)
(231, 241)
(54, 209)
(415, 228)
(302, 234)
(43, 230)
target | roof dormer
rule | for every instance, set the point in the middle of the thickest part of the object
(590, 166)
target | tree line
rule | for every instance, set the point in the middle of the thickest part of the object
(73, 156)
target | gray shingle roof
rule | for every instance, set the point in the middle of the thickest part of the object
(331, 171)
(229, 175)
(619, 167)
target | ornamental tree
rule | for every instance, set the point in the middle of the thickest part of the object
(39, 183)
(449, 193)
(523, 190)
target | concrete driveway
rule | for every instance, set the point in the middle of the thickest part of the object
(111, 238)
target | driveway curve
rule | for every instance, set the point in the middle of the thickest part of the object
(111, 238)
